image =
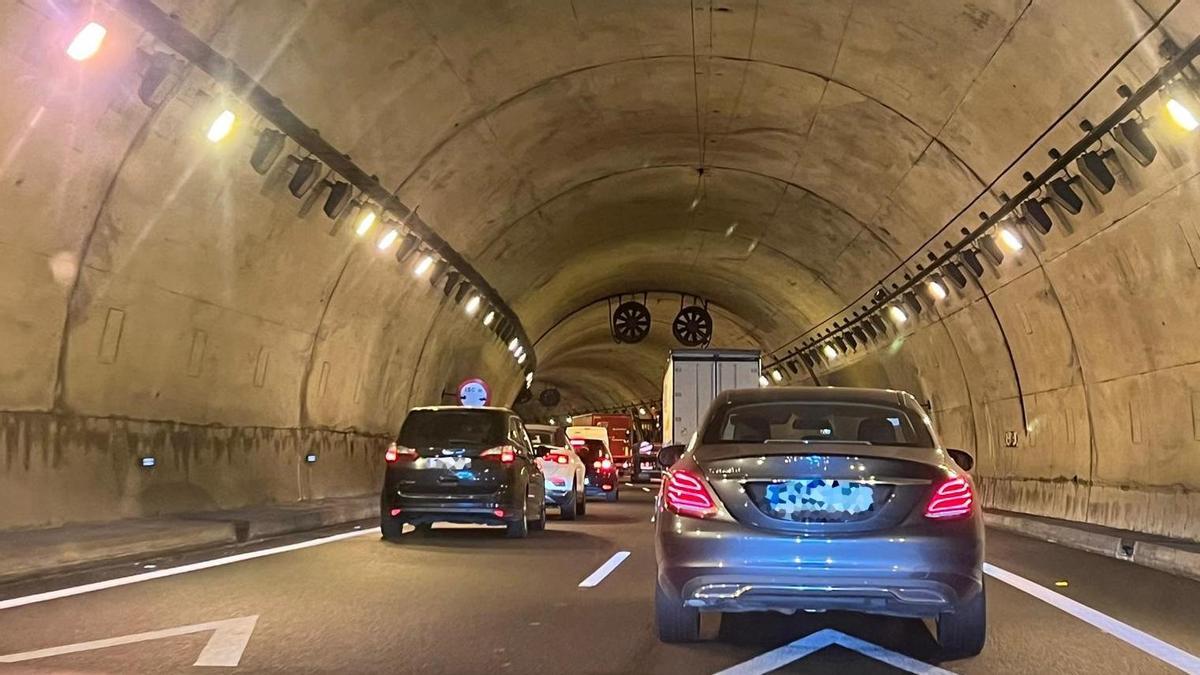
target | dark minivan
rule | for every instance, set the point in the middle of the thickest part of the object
(462, 465)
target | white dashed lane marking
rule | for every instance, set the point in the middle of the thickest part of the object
(604, 570)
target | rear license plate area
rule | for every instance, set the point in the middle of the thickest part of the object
(444, 463)
(818, 500)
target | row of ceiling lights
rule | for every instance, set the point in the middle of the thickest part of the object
(998, 236)
(638, 409)
(340, 201)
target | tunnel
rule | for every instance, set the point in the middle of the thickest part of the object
(242, 239)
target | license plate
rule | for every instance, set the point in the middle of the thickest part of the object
(450, 463)
(796, 498)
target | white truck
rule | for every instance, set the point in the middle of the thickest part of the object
(694, 378)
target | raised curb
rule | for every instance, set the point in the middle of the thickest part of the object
(1180, 560)
(29, 553)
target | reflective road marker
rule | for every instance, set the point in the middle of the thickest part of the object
(182, 569)
(1163, 651)
(224, 648)
(794, 651)
(604, 570)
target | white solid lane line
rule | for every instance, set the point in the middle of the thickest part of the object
(182, 569)
(604, 570)
(646, 489)
(1168, 653)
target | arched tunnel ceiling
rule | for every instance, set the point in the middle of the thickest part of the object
(774, 156)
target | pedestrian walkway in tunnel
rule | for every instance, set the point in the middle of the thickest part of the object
(650, 335)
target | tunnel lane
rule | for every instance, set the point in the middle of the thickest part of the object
(467, 600)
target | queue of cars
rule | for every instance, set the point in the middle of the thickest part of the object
(784, 499)
(484, 466)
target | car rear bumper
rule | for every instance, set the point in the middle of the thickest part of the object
(474, 509)
(724, 566)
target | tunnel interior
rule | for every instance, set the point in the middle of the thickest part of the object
(777, 161)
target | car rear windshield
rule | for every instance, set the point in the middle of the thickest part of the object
(454, 429)
(811, 421)
(557, 437)
(590, 451)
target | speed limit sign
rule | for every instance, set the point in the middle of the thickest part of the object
(474, 393)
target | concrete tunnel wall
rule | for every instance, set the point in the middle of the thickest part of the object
(565, 169)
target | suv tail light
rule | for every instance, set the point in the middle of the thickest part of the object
(557, 458)
(507, 454)
(605, 464)
(687, 494)
(398, 453)
(952, 499)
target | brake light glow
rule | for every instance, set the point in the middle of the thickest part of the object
(603, 464)
(952, 499)
(396, 453)
(557, 458)
(687, 494)
(395, 512)
(507, 454)
(499, 513)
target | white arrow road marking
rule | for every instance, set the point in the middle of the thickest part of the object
(224, 648)
(1163, 651)
(604, 570)
(781, 656)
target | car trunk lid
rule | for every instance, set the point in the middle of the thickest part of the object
(820, 488)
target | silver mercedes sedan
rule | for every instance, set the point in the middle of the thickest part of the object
(820, 498)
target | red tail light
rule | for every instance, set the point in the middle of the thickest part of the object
(556, 458)
(687, 494)
(507, 454)
(952, 499)
(396, 454)
(606, 464)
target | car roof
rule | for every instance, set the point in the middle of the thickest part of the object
(441, 408)
(541, 427)
(817, 394)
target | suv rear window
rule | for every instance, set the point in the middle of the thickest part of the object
(557, 438)
(590, 451)
(798, 421)
(454, 429)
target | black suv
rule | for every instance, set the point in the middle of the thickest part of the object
(462, 465)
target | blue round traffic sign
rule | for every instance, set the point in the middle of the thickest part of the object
(474, 393)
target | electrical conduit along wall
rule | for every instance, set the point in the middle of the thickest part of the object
(166, 301)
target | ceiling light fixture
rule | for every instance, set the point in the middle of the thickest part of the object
(423, 266)
(472, 305)
(87, 42)
(388, 239)
(221, 126)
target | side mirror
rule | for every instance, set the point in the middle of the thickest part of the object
(669, 455)
(961, 458)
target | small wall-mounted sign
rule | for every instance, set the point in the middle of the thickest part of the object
(474, 393)
(147, 462)
(310, 457)
(1010, 439)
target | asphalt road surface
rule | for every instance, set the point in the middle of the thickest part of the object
(467, 600)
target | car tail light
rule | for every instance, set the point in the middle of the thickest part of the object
(398, 453)
(606, 464)
(556, 458)
(952, 499)
(507, 454)
(688, 495)
(499, 513)
(395, 512)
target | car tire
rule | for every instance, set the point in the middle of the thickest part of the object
(539, 524)
(613, 496)
(517, 528)
(674, 621)
(392, 528)
(569, 509)
(581, 501)
(961, 633)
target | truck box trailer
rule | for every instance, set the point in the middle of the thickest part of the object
(693, 379)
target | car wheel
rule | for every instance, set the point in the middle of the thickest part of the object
(961, 633)
(392, 528)
(581, 501)
(674, 621)
(517, 528)
(539, 524)
(613, 496)
(569, 509)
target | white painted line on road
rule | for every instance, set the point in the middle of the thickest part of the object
(224, 648)
(646, 489)
(605, 570)
(1168, 653)
(182, 569)
(794, 651)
